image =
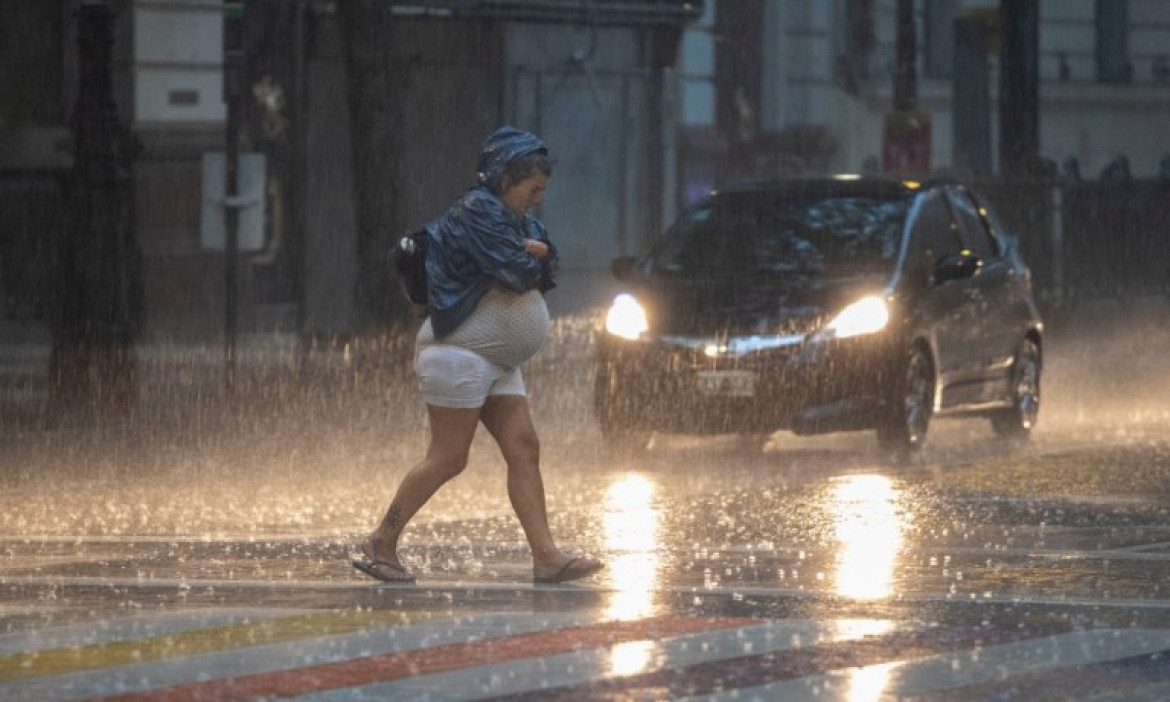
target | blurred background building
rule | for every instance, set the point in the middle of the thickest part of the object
(369, 113)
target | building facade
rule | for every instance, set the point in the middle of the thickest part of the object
(824, 87)
(646, 104)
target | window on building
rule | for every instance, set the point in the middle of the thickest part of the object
(1113, 62)
(697, 70)
(939, 42)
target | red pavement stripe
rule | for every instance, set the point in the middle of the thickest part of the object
(427, 661)
(752, 671)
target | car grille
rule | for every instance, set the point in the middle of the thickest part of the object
(744, 353)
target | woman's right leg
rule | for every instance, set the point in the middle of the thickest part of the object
(452, 430)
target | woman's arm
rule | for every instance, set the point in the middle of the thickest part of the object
(498, 245)
(549, 263)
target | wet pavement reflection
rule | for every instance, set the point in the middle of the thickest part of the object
(868, 524)
(632, 543)
(208, 558)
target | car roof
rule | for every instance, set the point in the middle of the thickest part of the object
(891, 185)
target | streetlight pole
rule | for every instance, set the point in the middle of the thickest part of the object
(906, 55)
(92, 363)
(233, 65)
(1019, 85)
(906, 142)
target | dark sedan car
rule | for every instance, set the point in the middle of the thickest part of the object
(820, 305)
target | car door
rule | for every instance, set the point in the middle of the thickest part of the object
(995, 328)
(943, 310)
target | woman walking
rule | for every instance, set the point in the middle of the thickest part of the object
(489, 263)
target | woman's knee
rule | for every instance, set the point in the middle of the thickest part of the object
(522, 446)
(446, 464)
(452, 431)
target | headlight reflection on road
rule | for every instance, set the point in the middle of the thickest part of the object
(630, 658)
(631, 539)
(869, 528)
(868, 683)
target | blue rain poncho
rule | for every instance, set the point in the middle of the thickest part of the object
(478, 242)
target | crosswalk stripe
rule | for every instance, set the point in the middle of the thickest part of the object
(18, 666)
(328, 656)
(589, 669)
(442, 628)
(1122, 676)
(137, 626)
(363, 671)
(993, 663)
(875, 647)
(454, 586)
(1159, 692)
(950, 672)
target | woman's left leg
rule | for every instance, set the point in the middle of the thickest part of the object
(509, 421)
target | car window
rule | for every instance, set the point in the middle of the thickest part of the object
(972, 228)
(933, 235)
(768, 233)
(991, 221)
(690, 243)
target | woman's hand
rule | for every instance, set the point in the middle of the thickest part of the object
(537, 248)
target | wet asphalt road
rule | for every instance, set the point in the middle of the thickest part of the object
(201, 550)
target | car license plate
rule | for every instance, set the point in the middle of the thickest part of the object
(727, 383)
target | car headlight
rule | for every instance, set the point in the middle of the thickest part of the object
(626, 318)
(866, 316)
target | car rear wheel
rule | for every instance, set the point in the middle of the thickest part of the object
(1017, 421)
(903, 430)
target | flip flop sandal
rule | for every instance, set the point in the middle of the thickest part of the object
(576, 568)
(384, 571)
(381, 570)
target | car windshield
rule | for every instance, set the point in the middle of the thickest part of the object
(763, 233)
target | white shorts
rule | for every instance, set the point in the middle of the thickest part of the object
(452, 376)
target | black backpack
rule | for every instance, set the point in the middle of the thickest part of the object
(410, 263)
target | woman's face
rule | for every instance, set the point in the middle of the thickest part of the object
(525, 195)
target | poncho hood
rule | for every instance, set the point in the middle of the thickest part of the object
(500, 148)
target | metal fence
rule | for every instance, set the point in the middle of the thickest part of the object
(32, 211)
(1089, 240)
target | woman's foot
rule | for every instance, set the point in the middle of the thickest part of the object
(380, 567)
(565, 569)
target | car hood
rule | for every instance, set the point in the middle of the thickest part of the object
(792, 303)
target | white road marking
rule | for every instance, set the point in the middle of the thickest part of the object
(284, 655)
(959, 669)
(109, 628)
(610, 662)
(480, 586)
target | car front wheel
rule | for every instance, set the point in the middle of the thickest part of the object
(614, 411)
(903, 429)
(1017, 421)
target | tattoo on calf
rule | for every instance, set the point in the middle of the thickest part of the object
(393, 518)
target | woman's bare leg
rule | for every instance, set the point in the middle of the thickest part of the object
(508, 419)
(452, 430)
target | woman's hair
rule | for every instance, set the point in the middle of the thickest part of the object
(521, 169)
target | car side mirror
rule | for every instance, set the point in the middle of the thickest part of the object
(623, 267)
(957, 267)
